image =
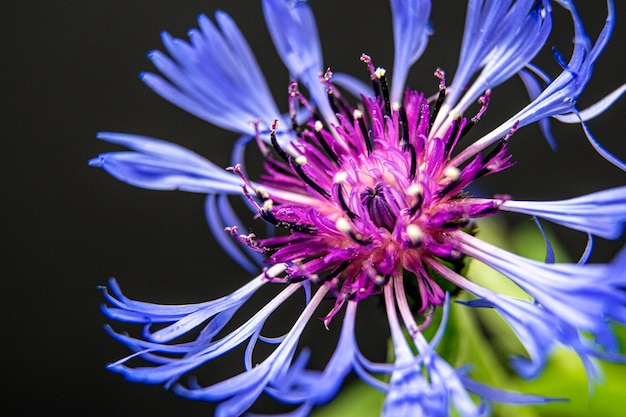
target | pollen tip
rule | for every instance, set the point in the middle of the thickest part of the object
(318, 126)
(379, 280)
(380, 72)
(452, 173)
(343, 225)
(340, 177)
(396, 106)
(262, 192)
(268, 205)
(414, 190)
(301, 160)
(414, 233)
(455, 114)
(357, 113)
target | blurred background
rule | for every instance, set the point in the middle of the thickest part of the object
(70, 69)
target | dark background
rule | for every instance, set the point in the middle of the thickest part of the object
(69, 70)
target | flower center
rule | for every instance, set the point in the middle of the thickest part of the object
(377, 202)
(373, 197)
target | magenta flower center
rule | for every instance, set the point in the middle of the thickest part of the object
(373, 197)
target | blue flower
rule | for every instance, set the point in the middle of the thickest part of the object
(370, 195)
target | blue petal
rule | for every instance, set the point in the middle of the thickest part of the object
(215, 77)
(294, 32)
(410, 35)
(509, 397)
(587, 296)
(534, 89)
(220, 215)
(602, 213)
(500, 37)
(353, 85)
(559, 97)
(160, 165)
(243, 389)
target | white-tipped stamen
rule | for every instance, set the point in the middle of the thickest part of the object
(262, 192)
(414, 233)
(452, 173)
(414, 190)
(340, 177)
(268, 205)
(343, 225)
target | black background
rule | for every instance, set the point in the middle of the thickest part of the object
(69, 70)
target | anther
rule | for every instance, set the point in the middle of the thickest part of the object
(452, 173)
(415, 190)
(261, 193)
(373, 75)
(340, 177)
(380, 280)
(275, 144)
(268, 205)
(344, 227)
(414, 233)
(484, 102)
(440, 97)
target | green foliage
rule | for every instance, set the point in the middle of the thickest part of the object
(479, 337)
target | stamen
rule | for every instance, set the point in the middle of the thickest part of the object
(416, 190)
(484, 102)
(384, 88)
(259, 142)
(342, 201)
(373, 76)
(381, 280)
(453, 138)
(340, 177)
(269, 217)
(320, 138)
(358, 115)
(440, 97)
(413, 166)
(294, 93)
(268, 205)
(261, 193)
(344, 227)
(414, 233)
(275, 144)
(300, 171)
(405, 124)
(452, 173)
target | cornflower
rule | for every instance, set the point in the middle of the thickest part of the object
(367, 190)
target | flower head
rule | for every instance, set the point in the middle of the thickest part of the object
(369, 198)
